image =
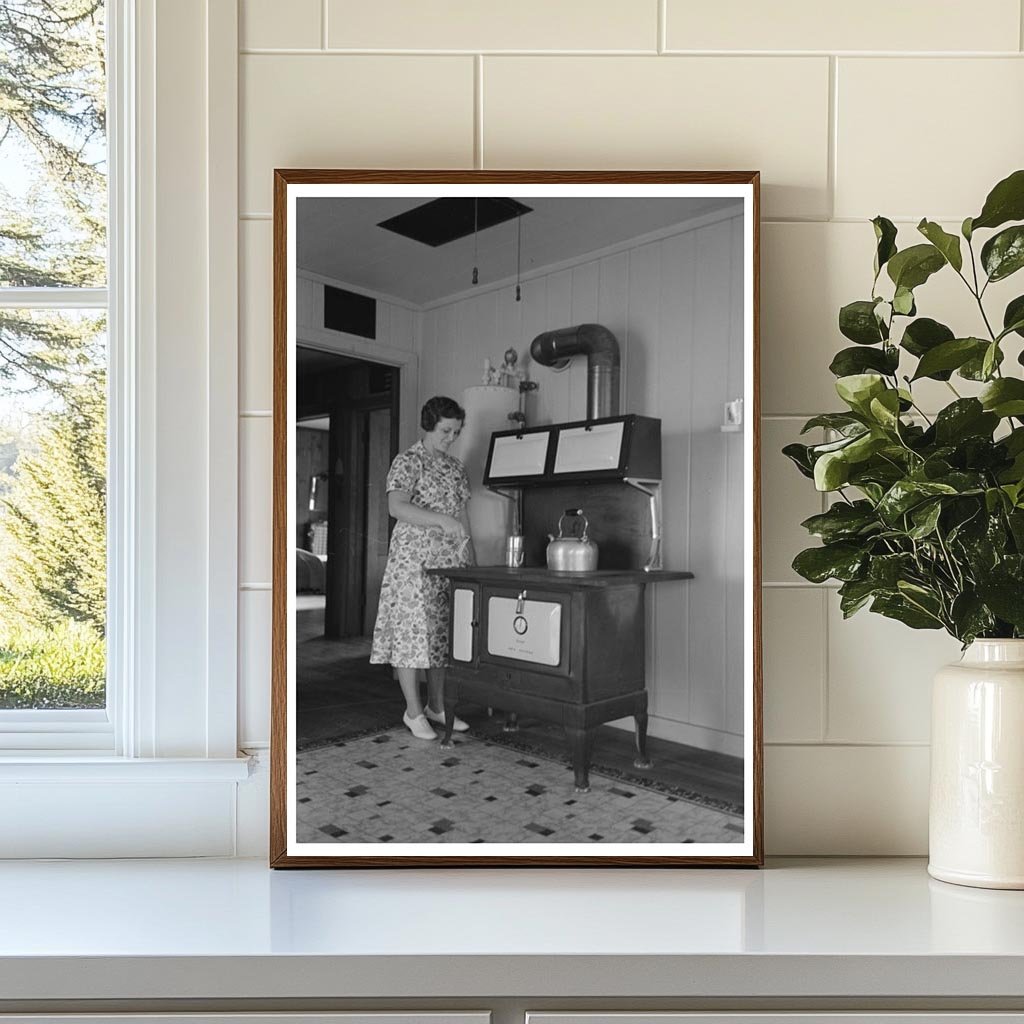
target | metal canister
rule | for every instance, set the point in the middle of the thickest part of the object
(514, 550)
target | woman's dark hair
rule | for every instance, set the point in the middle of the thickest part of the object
(440, 408)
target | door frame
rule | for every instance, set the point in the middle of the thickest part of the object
(340, 619)
(373, 352)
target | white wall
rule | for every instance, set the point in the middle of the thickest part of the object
(800, 91)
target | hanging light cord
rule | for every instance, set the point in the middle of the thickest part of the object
(476, 229)
(519, 251)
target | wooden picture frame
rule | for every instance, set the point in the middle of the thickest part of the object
(671, 261)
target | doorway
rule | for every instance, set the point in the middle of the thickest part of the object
(347, 435)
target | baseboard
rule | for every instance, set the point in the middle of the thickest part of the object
(691, 735)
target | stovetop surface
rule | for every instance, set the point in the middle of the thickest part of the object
(541, 575)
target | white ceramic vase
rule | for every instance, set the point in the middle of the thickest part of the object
(976, 813)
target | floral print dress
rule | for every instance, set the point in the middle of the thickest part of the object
(412, 618)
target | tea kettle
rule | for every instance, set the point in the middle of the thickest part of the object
(571, 554)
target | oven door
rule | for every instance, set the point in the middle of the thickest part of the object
(528, 629)
(465, 599)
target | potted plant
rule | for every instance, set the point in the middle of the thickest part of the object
(926, 524)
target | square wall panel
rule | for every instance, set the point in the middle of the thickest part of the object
(350, 111)
(869, 25)
(961, 130)
(846, 801)
(269, 24)
(683, 113)
(471, 25)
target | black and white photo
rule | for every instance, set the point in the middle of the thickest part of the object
(516, 615)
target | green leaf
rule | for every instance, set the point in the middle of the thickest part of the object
(886, 471)
(903, 611)
(1005, 597)
(844, 422)
(799, 455)
(994, 499)
(1015, 492)
(857, 321)
(831, 471)
(885, 236)
(1014, 441)
(817, 450)
(966, 417)
(923, 335)
(1003, 254)
(912, 267)
(887, 570)
(885, 409)
(906, 494)
(974, 368)
(965, 229)
(855, 594)
(970, 617)
(964, 482)
(841, 561)
(1005, 202)
(872, 491)
(850, 361)
(903, 302)
(925, 518)
(1004, 397)
(991, 360)
(1013, 317)
(843, 521)
(864, 446)
(858, 389)
(947, 244)
(1015, 519)
(950, 355)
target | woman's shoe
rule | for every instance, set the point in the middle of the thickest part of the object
(419, 727)
(438, 716)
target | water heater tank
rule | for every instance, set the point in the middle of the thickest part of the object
(487, 407)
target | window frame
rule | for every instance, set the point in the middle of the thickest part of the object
(173, 505)
(96, 730)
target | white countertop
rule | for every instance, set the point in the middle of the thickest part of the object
(234, 929)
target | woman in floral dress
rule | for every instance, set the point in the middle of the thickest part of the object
(427, 493)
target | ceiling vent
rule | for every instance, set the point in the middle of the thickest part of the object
(444, 220)
(349, 312)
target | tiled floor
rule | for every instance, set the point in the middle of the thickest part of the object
(361, 777)
(390, 787)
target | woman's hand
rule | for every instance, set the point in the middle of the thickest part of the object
(451, 526)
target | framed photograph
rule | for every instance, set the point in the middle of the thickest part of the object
(516, 608)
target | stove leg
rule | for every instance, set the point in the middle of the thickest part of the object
(449, 721)
(582, 741)
(641, 760)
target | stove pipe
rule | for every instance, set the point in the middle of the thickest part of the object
(598, 344)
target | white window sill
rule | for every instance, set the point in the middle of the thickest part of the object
(75, 766)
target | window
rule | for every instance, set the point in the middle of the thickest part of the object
(53, 369)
